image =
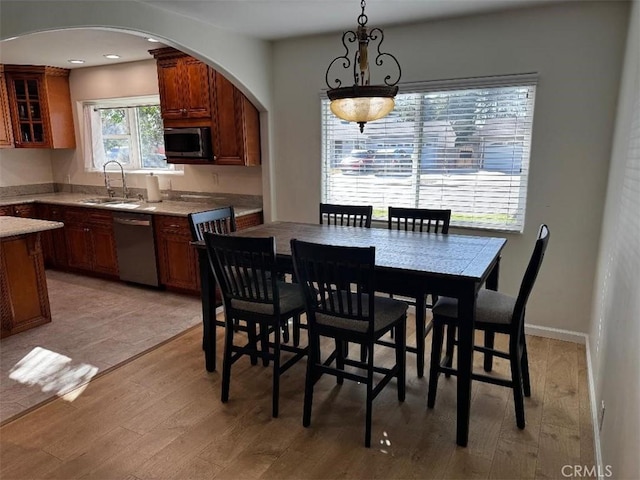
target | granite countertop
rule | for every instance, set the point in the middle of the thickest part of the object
(166, 207)
(12, 226)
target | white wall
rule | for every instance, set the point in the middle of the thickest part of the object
(244, 60)
(18, 164)
(577, 50)
(615, 327)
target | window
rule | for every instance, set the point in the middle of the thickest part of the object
(460, 144)
(127, 130)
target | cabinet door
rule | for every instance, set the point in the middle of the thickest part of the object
(103, 247)
(53, 241)
(78, 246)
(28, 110)
(176, 257)
(228, 123)
(6, 134)
(196, 88)
(170, 89)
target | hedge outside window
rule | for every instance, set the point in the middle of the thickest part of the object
(458, 144)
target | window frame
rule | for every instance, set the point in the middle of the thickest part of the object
(129, 104)
(514, 223)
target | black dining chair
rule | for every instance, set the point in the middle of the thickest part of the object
(339, 290)
(247, 273)
(347, 215)
(495, 313)
(419, 220)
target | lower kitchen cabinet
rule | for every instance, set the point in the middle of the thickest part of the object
(90, 241)
(54, 247)
(177, 259)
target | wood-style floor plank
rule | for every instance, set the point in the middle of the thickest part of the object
(160, 416)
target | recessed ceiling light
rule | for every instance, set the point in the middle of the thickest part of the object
(153, 40)
(75, 61)
(112, 56)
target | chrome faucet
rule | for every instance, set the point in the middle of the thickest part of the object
(107, 183)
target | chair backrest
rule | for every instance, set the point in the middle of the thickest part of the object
(530, 275)
(419, 219)
(221, 221)
(347, 215)
(245, 268)
(337, 281)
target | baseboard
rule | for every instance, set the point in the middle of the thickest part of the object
(556, 333)
(594, 413)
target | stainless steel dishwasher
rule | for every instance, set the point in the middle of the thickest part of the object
(136, 248)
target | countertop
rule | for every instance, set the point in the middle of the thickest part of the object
(13, 226)
(166, 207)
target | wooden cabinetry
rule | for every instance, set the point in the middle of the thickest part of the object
(194, 94)
(6, 134)
(40, 106)
(236, 135)
(90, 242)
(54, 248)
(185, 91)
(177, 259)
(24, 210)
(24, 300)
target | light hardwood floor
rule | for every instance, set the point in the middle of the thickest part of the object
(160, 416)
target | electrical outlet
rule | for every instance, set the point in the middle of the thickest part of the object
(68, 179)
(214, 178)
(601, 419)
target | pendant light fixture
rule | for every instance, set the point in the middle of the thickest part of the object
(362, 102)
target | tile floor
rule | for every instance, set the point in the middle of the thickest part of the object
(96, 324)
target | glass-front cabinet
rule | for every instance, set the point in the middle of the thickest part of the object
(40, 105)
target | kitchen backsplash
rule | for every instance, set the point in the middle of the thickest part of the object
(249, 201)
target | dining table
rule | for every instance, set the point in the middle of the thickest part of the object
(408, 263)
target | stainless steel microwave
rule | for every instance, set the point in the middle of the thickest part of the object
(188, 142)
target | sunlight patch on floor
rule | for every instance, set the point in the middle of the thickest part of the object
(53, 373)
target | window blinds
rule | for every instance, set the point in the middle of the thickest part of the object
(459, 144)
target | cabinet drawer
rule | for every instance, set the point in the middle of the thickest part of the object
(173, 225)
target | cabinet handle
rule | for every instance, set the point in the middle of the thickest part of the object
(173, 225)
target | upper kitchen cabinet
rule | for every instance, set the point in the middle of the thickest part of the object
(6, 135)
(192, 94)
(40, 106)
(184, 85)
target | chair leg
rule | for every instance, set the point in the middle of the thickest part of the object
(420, 334)
(226, 361)
(312, 359)
(296, 330)
(285, 331)
(339, 360)
(253, 340)
(434, 370)
(264, 342)
(524, 365)
(276, 369)
(401, 358)
(369, 412)
(516, 380)
(363, 353)
(451, 341)
(489, 340)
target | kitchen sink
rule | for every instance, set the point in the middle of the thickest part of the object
(103, 200)
(107, 200)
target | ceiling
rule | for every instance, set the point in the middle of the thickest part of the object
(265, 19)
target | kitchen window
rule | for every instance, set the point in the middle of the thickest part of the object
(458, 144)
(128, 130)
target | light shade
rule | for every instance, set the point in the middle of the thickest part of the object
(362, 104)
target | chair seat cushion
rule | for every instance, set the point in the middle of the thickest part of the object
(491, 307)
(387, 311)
(290, 299)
